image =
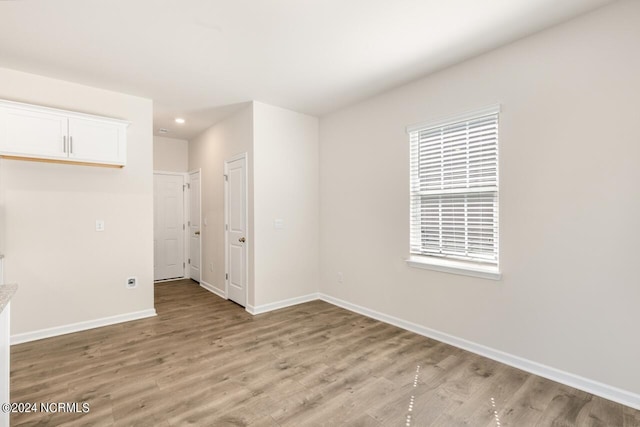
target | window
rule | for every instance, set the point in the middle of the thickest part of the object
(454, 194)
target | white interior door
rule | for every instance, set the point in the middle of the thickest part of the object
(194, 226)
(168, 226)
(236, 228)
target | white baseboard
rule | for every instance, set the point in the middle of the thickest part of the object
(80, 326)
(173, 279)
(213, 289)
(615, 394)
(281, 304)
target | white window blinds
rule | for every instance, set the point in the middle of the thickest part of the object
(454, 188)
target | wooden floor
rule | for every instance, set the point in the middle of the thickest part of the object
(205, 361)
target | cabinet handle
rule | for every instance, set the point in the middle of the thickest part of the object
(70, 145)
(64, 144)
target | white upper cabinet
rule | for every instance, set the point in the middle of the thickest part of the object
(31, 133)
(38, 133)
(91, 140)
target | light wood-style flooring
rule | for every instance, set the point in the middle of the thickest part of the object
(204, 361)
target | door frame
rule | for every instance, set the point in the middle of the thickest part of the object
(188, 215)
(240, 156)
(185, 235)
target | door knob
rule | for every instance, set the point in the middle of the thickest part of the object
(241, 240)
(197, 233)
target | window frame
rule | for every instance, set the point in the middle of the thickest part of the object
(452, 264)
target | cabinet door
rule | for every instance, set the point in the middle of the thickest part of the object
(32, 134)
(96, 141)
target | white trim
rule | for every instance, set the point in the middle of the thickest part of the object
(454, 267)
(237, 157)
(606, 391)
(454, 118)
(183, 174)
(81, 326)
(264, 308)
(173, 279)
(187, 210)
(213, 289)
(225, 171)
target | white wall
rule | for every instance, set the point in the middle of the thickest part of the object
(282, 147)
(67, 272)
(170, 154)
(286, 187)
(208, 151)
(569, 200)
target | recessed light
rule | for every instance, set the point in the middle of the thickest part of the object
(163, 130)
(179, 120)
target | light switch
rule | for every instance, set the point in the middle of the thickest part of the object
(278, 224)
(99, 225)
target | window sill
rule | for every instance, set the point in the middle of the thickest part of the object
(455, 267)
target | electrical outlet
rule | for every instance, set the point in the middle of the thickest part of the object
(340, 277)
(210, 266)
(132, 282)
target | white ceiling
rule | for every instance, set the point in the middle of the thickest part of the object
(200, 59)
